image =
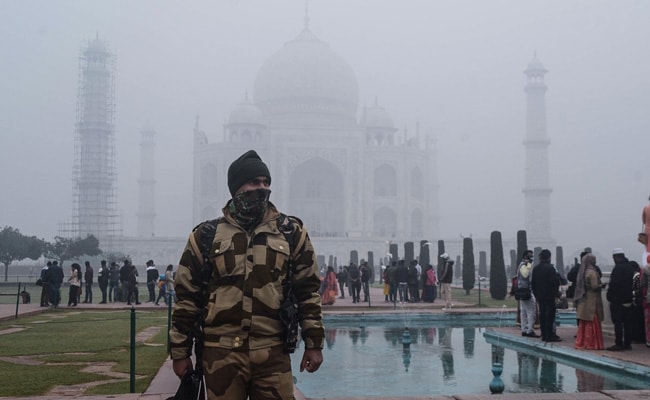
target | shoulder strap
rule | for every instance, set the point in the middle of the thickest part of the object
(294, 234)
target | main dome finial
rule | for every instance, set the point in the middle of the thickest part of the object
(306, 14)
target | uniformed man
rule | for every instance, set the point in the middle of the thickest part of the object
(249, 257)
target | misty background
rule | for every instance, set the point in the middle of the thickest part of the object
(456, 67)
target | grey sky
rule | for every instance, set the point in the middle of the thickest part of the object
(454, 66)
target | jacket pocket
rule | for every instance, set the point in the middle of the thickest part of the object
(223, 257)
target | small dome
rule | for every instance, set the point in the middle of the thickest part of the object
(246, 113)
(377, 117)
(535, 65)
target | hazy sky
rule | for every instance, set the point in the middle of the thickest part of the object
(454, 66)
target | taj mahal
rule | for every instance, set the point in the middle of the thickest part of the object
(356, 181)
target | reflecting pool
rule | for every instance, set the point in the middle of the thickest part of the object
(367, 358)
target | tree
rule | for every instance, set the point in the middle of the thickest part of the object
(498, 279)
(482, 264)
(424, 258)
(64, 249)
(469, 273)
(522, 246)
(116, 257)
(441, 250)
(513, 263)
(14, 246)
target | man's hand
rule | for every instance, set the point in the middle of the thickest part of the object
(182, 366)
(311, 360)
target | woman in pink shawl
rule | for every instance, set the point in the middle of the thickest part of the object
(589, 305)
(331, 287)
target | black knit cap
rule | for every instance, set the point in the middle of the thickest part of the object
(248, 166)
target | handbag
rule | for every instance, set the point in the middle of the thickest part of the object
(642, 238)
(522, 293)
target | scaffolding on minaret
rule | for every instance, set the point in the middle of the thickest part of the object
(94, 175)
(146, 184)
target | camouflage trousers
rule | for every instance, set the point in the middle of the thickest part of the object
(262, 374)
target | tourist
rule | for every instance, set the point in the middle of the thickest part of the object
(75, 285)
(45, 285)
(402, 281)
(638, 317)
(523, 293)
(384, 278)
(446, 276)
(245, 338)
(354, 276)
(342, 278)
(330, 289)
(55, 278)
(102, 280)
(166, 286)
(391, 275)
(132, 293)
(619, 295)
(545, 285)
(364, 269)
(429, 293)
(152, 280)
(589, 305)
(88, 279)
(113, 282)
(413, 279)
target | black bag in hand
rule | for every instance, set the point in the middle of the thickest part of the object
(192, 387)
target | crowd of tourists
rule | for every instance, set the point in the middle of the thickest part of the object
(116, 283)
(537, 288)
(402, 283)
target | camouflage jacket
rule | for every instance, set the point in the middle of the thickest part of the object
(245, 290)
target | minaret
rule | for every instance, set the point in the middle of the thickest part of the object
(537, 189)
(94, 176)
(146, 184)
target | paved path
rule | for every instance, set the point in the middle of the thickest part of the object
(165, 382)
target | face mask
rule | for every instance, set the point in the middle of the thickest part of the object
(248, 208)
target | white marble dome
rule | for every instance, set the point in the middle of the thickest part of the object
(307, 76)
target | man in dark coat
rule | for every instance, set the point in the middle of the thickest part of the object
(402, 281)
(342, 278)
(545, 283)
(619, 295)
(55, 277)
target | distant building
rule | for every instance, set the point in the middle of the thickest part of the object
(353, 179)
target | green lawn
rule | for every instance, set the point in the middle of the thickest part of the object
(53, 348)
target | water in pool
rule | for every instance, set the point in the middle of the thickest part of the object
(369, 360)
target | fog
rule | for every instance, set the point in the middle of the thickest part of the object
(454, 67)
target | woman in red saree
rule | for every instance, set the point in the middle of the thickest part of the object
(331, 287)
(589, 305)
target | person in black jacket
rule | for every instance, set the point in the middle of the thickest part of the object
(545, 283)
(152, 280)
(619, 295)
(55, 277)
